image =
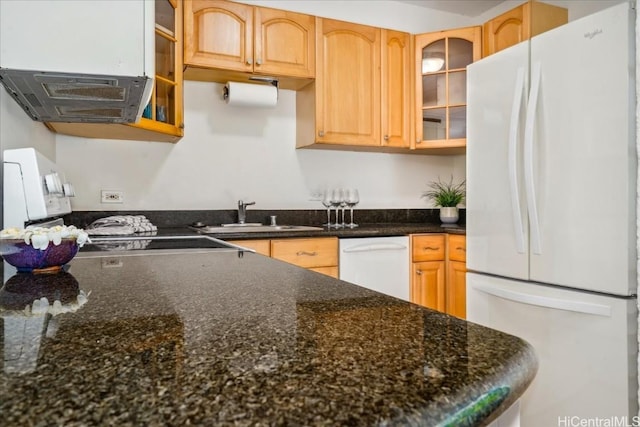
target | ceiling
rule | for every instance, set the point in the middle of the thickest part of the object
(461, 7)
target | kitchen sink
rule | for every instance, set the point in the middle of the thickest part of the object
(252, 228)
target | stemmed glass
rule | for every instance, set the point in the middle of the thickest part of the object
(351, 198)
(326, 202)
(337, 198)
(343, 205)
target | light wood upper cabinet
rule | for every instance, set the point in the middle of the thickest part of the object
(162, 120)
(397, 57)
(520, 24)
(232, 41)
(441, 59)
(361, 98)
(218, 34)
(347, 83)
(284, 43)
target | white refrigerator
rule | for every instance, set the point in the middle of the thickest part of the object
(551, 213)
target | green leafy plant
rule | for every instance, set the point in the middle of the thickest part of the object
(445, 194)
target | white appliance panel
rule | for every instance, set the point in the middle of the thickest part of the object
(585, 344)
(377, 263)
(34, 188)
(497, 237)
(118, 36)
(583, 159)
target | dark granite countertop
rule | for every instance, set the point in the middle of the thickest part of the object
(364, 230)
(236, 338)
(372, 222)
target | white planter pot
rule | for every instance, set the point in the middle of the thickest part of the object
(449, 215)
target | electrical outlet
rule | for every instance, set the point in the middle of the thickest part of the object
(108, 196)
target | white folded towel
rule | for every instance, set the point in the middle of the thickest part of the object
(120, 225)
(127, 245)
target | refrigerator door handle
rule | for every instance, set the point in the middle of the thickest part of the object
(546, 302)
(536, 244)
(513, 161)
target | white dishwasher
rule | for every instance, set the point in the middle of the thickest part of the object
(377, 263)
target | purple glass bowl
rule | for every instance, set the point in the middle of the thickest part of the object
(28, 259)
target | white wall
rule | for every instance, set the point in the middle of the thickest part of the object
(576, 8)
(378, 13)
(233, 153)
(230, 153)
(17, 130)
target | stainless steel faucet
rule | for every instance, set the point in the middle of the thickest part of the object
(242, 211)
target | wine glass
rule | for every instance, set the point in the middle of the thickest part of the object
(343, 205)
(326, 202)
(337, 198)
(351, 198)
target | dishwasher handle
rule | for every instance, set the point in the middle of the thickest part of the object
(374, 247)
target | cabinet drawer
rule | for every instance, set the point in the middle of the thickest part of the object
(428, 247)
(457, 248)
(321, 252)
(329, 271)
(260, 246)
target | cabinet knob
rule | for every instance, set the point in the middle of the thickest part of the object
(321, 133)
(249, 61)
(419, 272)
(258, 62)
(418, 141)
(386, 137)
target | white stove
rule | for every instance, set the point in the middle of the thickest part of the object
(34, 189)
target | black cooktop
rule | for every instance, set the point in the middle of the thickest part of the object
(131, 243)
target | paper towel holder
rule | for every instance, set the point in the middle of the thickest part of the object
(270, 80)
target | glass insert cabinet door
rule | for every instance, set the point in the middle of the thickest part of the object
(441, 61)
(164, 111)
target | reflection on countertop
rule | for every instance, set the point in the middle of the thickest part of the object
(215, 338)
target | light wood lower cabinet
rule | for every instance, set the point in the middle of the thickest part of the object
(316, 254)
(427, 284)
(308, 253)
(262, 247)
(438, 265)
(329, 271)
(456, 293)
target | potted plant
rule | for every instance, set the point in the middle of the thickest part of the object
(448, 196)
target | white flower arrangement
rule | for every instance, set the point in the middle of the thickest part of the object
(39, 237)
(42, 306)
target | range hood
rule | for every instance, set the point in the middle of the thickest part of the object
(78, 61)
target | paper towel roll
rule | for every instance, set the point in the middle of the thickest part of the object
(251, 95)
